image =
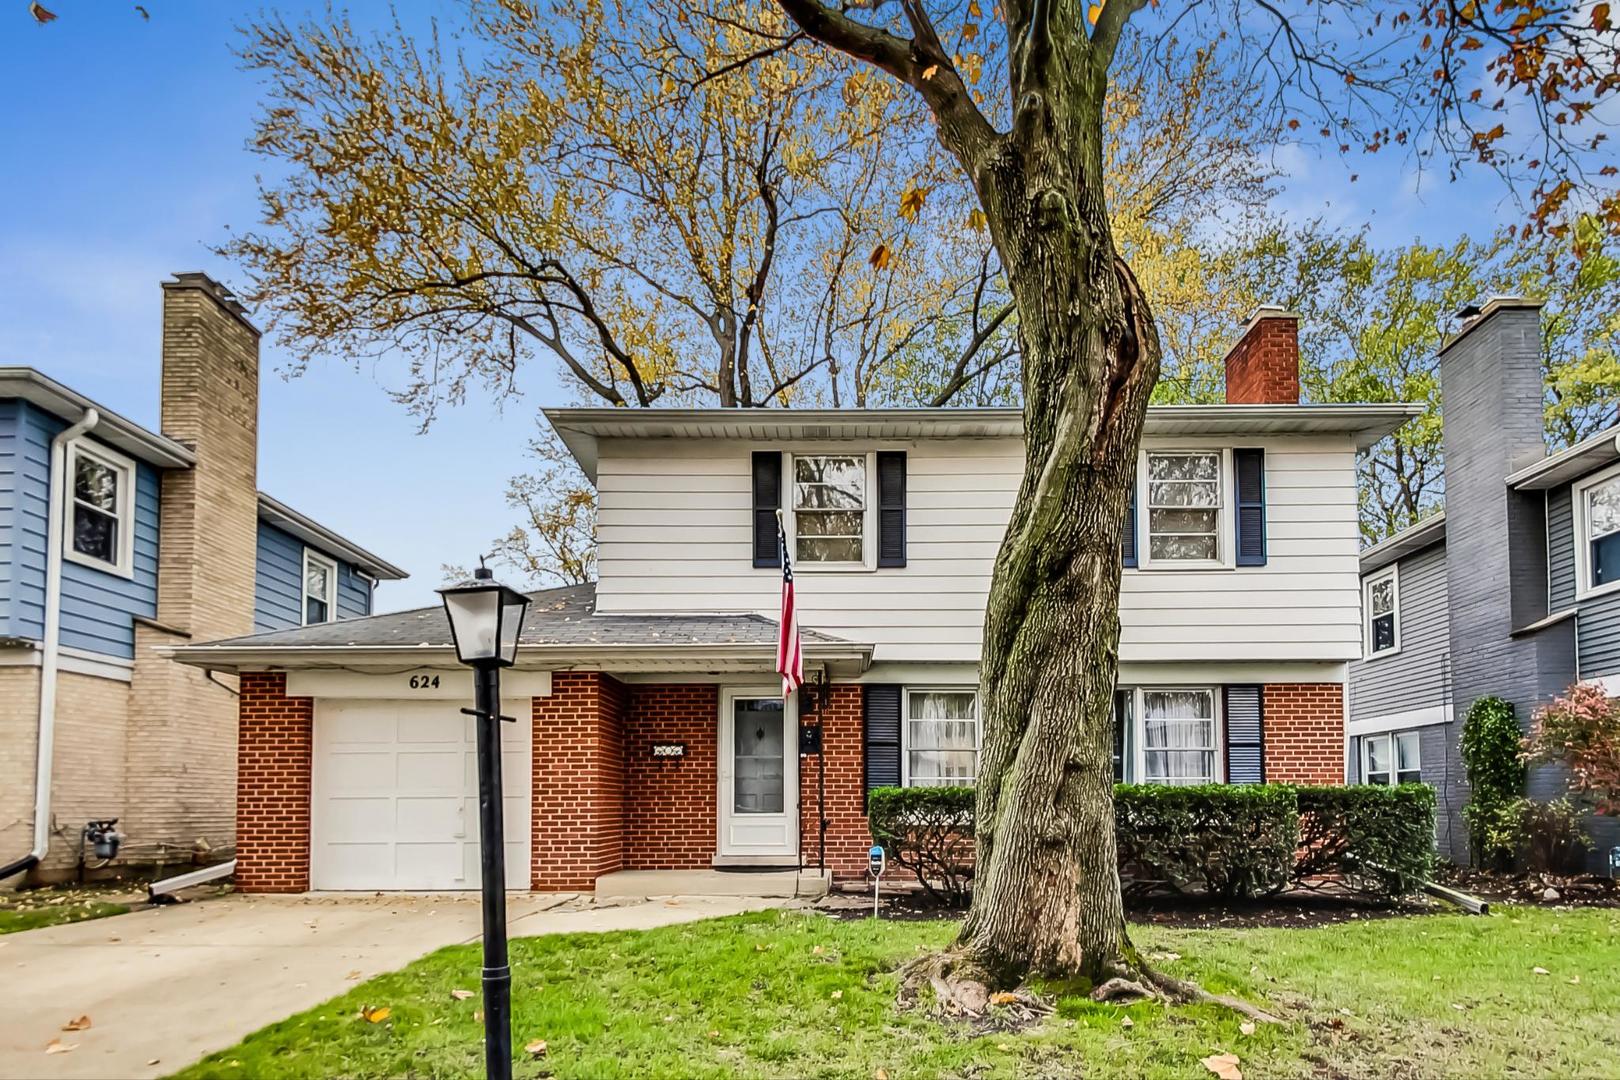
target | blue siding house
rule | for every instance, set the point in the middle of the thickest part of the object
(1514, 591)
(118, 542)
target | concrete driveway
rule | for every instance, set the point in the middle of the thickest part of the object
(164, 987)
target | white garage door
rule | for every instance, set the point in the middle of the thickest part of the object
(396, 796)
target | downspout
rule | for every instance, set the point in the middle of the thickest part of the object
(50, 647)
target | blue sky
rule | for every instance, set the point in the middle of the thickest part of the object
(124, 142)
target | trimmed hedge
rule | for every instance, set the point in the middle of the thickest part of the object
(1220, 840)
(1216, 839)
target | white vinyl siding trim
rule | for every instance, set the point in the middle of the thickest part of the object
(121, 514)
(314, 561)
(674, 533)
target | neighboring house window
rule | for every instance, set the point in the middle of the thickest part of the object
(1381, 598)
(1391, 759)
(102, 509)
(320, 588)
(1178, 736)
(1601, 505)
(941, 737)
(829, 508)
(1184, 506)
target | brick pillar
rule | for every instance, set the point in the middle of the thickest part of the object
(848, 835)
(1263, 367)
(274, 757)
(182, 725)
(670, 804)
(1304, 733)
(577, 825)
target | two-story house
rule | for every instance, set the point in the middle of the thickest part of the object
(652, 734)
(116, 540)
(1514, 591)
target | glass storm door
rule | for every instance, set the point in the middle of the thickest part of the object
(759, 778)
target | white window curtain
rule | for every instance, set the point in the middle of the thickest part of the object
(1178, 728)
(942, 737)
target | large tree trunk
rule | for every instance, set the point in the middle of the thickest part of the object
(1047, 892)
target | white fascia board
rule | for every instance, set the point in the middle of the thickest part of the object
(1411, 718)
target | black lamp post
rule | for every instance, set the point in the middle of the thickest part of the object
(485, 620)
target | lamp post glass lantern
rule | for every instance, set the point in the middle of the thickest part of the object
(486, 618)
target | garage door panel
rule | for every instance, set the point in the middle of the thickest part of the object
(396, 796)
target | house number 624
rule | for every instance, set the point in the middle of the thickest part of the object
(424, 682)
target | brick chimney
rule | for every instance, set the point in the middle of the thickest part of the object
(1262, 368)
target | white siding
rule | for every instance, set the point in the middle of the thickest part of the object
(674, 535)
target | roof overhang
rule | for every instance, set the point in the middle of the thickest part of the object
(582, 429)
(312, 532)
(1584, 457)
(116, 431)
(1408, 541)
(839, 658)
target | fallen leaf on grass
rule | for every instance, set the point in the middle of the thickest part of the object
(1541, 971)
(78, 1023)
(1004, 1047)
(57, 1046)
(714, 1034)
(817, 950)
(1247, 1027)
(461, 995)
(1224, 1066)
(1574, 980)
(881, 1074)
(837, 994)
(1127, 1022)
(1003, 997)
(478, 1016)
(377, 1014)
(1459, 1008)
(536, 1048)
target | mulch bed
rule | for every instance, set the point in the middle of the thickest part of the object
(1534, 888)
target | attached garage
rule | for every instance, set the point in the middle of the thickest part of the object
(394, 796)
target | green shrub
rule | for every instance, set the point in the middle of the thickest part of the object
(1374, 839)
(1529, 835)
(928, 831)
(1490, 752)
(1217, 839)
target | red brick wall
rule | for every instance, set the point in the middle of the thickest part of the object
(848, 837)
(275, 737)
(670, 805)
(577, 825)
(1304, 733)
(1263, 367)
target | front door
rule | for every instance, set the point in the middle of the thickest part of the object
(759, 778)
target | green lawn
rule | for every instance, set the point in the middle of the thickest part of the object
(34, 908)
(793, 994)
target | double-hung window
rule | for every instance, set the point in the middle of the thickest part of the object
(829, 508)
(1381, 601)
(1178, 736)
(320, 588)
(1600, 514)
(101, 509)
(1391, 759)
(1184, 506)
(942, 737)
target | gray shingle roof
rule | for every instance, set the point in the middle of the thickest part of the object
(565, 616)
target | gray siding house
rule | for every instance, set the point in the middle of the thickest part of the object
(1513, 591)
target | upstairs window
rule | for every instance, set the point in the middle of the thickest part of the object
(101, 509)
(829, 508)
(1184, 506)
(942, 737)
(1601, 503)
(1381, 600)
(320, 588)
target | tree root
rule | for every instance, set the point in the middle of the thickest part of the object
(1155, 985)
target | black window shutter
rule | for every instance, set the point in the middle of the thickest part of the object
(1250, 466)
(881, 738)
(1245, 736)
(1127, 537)
(767, 501)
(891, 470)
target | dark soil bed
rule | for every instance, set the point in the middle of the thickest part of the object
(1542, 890)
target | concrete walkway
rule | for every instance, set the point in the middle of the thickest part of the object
(164, 987)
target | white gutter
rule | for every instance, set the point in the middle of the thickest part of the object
(51, 647)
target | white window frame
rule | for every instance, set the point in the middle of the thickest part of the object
(1391, 738)
(905, 729)
(1583, 544)
(1224, 553)
(124, 514)
(1136, 738)
(868, 513)
(1392, 574)
(330, 565)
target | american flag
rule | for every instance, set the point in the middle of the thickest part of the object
(789, 649)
